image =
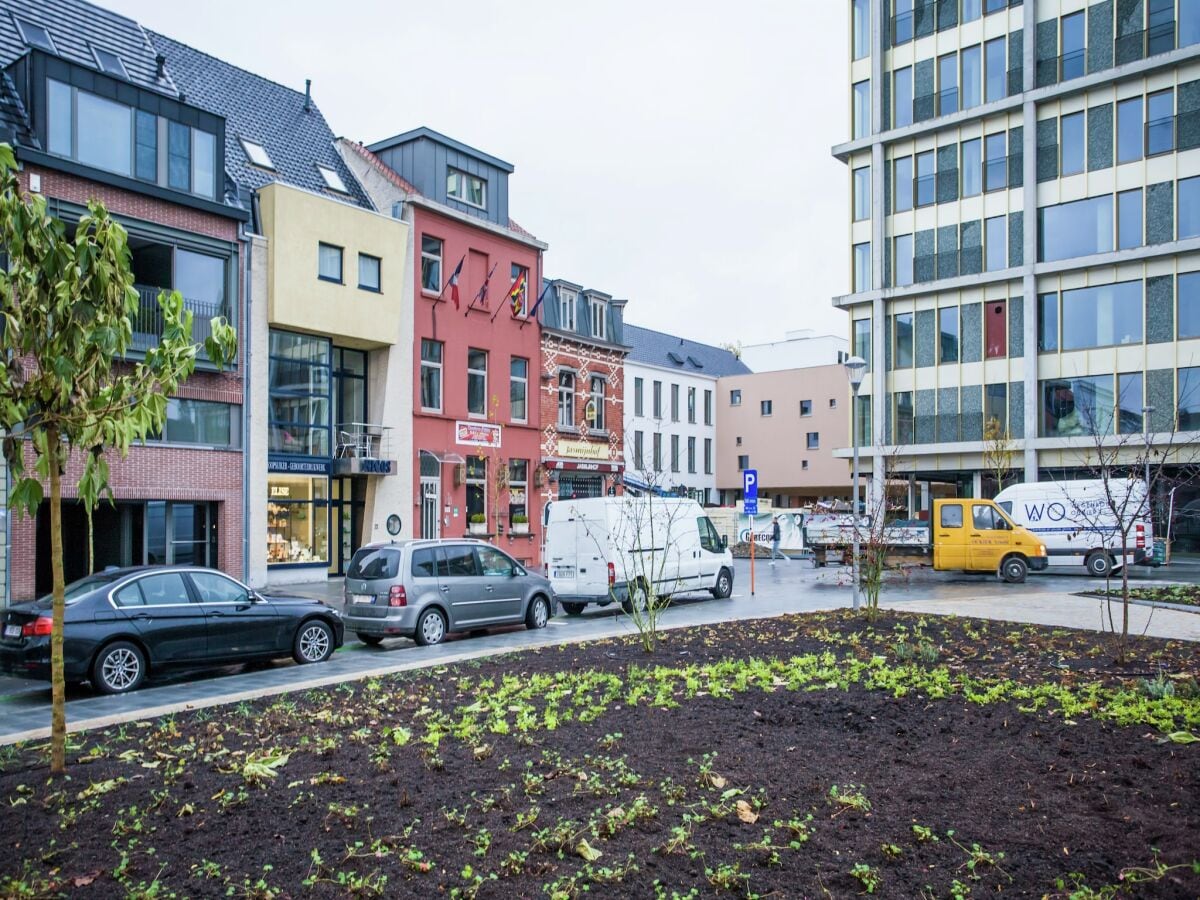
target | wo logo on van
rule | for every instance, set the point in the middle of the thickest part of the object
(1054, 512)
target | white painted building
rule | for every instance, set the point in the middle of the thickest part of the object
(799, 349)
(670, 412)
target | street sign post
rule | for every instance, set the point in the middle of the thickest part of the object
(750, 507)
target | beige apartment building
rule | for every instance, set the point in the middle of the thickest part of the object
(786, 424)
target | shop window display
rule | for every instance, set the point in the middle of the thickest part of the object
(297, 520)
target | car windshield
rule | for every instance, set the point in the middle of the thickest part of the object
(77, 589)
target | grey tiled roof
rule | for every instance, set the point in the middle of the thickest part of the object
(654, 348)
(264, 112)
(75, 27)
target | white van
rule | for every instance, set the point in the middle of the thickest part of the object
(605, 549)
(1076, 521)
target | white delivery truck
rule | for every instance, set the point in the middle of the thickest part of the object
(1077, 523)
(605, 549)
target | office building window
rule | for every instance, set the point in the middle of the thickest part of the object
(903, 328)
(948, 82)
(476, 382)
(674, 453)
(596, 416)
(1188, 304)
(1189, 399)
(903, 190)
(1047, 322)
(948, 334)
(1189, 23)
(1129, 219)
(735, 398)
(972, 167)
(1101, 316)
(904, 429)
(765, 407)
(1188, 207)
(903, 265)
(1077, 405)
(657, 446)
(862, 340)
(996, 243)
(657, 399)
(861, 421)
(743, 462)
(674, 403)
(329, 262)
(1071, 144)
(1075, 229)
(638, 407)
(1130, 401)
(971, 10)
(566, 399)
(862, 267)
(972, 77)
(708, 407)
(996, 164)
(691, 405)
(299, 394)
(431, 375)
(805, 407)
(862, 193)
(368, 272)
(638, 438)
(926, 186)
(812, 440)
(902, 97)
(431, 264)
(1074, 57)
(995, 407)
(202, 422)
(1130, 140)
(902, 21)
(708, 456)
(518, 389)
(861, 27)
(691, 456)
(862, 109)
(1160, 122)
(996, 69)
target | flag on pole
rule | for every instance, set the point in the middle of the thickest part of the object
(481, 297)
(537, 303)
(453, 282)
(516, 295)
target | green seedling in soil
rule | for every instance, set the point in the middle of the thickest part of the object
(924, 834)
(526, 818)
(726, 877)
(514, 863)
(866, 876)
(206, 868)
(610, 741)
(481, 841)
(848, 797)
(258, 768)
(977, 858)
(660, 893)
(797, 828)
(455, 817)
(891, 851)
(680, 840)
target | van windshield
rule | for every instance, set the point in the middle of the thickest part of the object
(375, 562)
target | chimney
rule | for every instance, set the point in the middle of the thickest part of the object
(307, 94)
(160, 67)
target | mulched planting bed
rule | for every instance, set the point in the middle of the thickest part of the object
(1182, 594)
(808, 756)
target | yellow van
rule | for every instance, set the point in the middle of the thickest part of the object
(978, 536)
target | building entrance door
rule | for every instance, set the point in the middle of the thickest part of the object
(431, 508)
(347, 507)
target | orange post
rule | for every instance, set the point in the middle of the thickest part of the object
(752, 556)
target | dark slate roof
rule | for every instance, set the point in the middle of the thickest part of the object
(75, 27)
(424, 133)
(668, 351)
(264, 112)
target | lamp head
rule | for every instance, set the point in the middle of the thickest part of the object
(856, 367)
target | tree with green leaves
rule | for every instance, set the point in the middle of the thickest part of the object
(67, 308)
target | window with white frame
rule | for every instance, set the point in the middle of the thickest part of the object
(476, 382)
(470, 189)
(518, 389)
(708, 408)
(691, 405)
(691, 451)
(599, 313)
(596, 403)
(566, 399)
(431, 375)
(431, 263)
(566, 309)
(674, 453)
(518, 489)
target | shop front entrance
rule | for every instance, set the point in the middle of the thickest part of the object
(346, 506)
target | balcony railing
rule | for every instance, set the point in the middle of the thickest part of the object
(1151, 41)
(948, 264)
(942, 428)
(148, 323)
(1171, 133)
(363, 440)
(1062, 68)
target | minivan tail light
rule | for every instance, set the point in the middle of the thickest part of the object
(39, 627)
(612, 574)
(397, 596)
(1141, 537)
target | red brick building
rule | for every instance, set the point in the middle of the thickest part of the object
(113, 127)
(582, 392)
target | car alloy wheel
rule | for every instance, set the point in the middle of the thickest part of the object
(121, 669)
(314, 642)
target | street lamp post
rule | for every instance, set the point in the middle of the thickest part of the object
(856, 366)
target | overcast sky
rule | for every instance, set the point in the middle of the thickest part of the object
(672, 152)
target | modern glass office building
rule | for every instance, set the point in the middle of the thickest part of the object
(1025, 229)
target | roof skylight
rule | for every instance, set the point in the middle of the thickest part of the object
(36, 36)
(109, 62)
(333, 180)
(257, 154)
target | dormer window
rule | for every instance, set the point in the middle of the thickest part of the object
(109, 63)
(470, 189)
(257, 154)
(598, 310)
(566, 309)
(36, 36)
(333, 180)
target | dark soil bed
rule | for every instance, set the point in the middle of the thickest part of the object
(1181, 594)
(809, 756)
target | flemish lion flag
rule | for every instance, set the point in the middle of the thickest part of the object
(516, 295)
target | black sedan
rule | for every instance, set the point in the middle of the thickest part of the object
(122, 624)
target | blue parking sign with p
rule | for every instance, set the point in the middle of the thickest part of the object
(750, 491)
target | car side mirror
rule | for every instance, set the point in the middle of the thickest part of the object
(256, 597)
(724, 542)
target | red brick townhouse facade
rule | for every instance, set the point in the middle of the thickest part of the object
(582, 392)
(93, 114)
(477, 431)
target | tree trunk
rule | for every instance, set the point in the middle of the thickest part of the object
(1124, 597)
(58, 715)
(91, 539)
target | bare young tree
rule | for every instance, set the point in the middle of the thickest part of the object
(999, 452)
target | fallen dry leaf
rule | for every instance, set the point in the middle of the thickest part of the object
(745, 812)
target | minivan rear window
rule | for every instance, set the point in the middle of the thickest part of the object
(375, 562)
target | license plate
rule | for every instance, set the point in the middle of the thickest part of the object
(12, 630)
(362, 598)
(564, 573)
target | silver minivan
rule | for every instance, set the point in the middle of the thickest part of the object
(425, 588)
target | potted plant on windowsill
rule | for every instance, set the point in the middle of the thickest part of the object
(477, 524)
(520, 524)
